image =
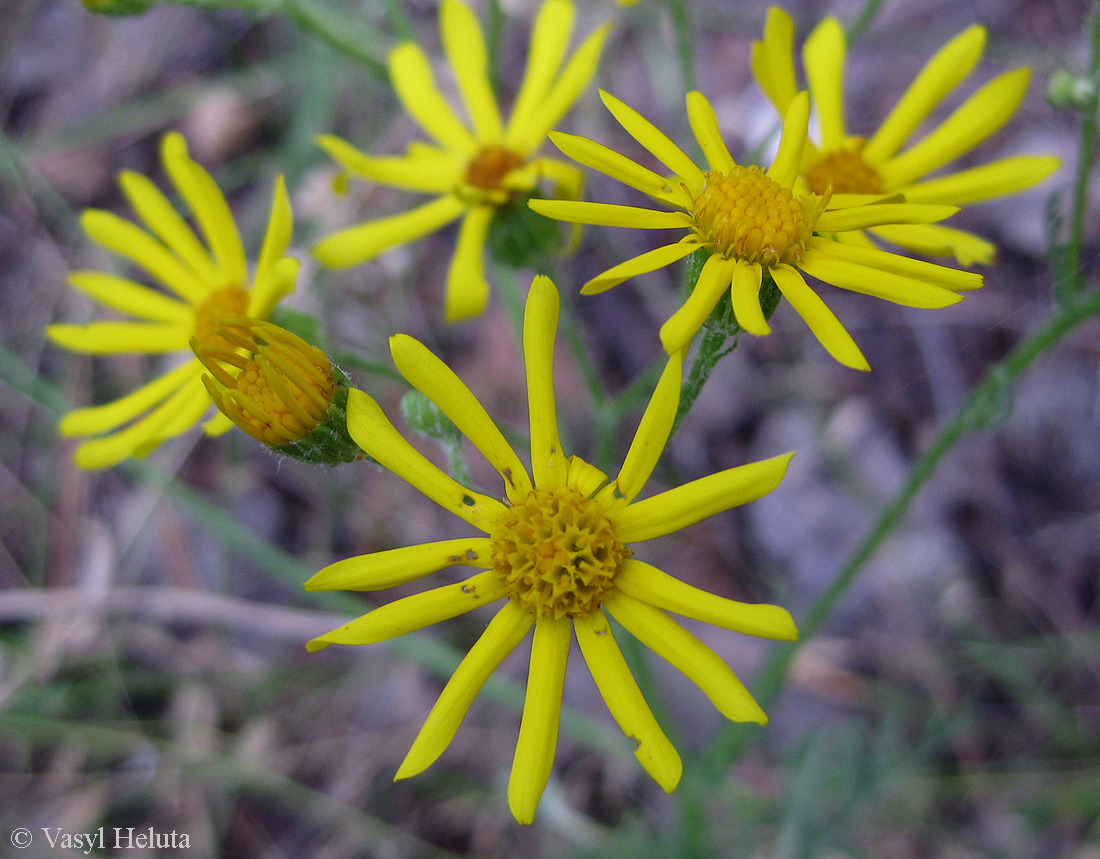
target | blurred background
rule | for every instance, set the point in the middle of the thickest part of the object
(152, 620)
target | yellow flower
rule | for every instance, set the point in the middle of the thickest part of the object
(556, 551)
(274, 385)
(475, 170)
(280, 390)
(883, 164)
(754, 222)
(208, 281)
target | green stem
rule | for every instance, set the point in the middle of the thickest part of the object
(685, 46)
(336, 31)
(399, 20)
(984, 403)
(493, 26)
(859, 26)
(1072, 279)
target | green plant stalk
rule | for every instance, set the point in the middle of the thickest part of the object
(399, 20)
(1073, 279)
(984, 403)
(685, 48)
(863, 20)
(494, 25)
(336, 31)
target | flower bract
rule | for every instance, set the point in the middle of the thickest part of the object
(754, 223)
(887, 162)
(206, 279)
(475, 169)
(556, 553)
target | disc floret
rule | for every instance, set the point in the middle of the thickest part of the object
(557, 553)
(845, 171)
(487, 170)
(744, 214)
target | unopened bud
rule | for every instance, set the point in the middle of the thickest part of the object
(1069, 91)
(280, 390)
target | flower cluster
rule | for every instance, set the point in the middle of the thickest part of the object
(555, 548)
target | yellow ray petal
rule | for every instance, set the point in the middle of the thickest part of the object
(575, 78)
(625, 701)
(705, 668)
(844, 273)
(209, 207)
(431, 170)
(501, 637)
(467, 292)
(540, 326)
(824, 56)
(773, 60)
(130, 241)
(819, 318)
(538, 729)
(610, 215)
(271, 285)
(160, 218)
(380, 570)
(217, 425)
(654, 140)
(176, 414)
(414, 83)
(996, 179)
(280, 226)
(792, 144)
(550, 37)
(106, 338)
(861, 217)
(685, 505)
(363, 242)
(745, 295)
(611, 163)
(715, 278)
(941, 74)
(935, 240)
(654, 587)
(641, 264)
(97, 419)
(868, 255)
(972, 122)
(373, 432)
(649, 441)
(415, 612)
(129, 297)
(464, 45)
(704, 125)
(439, 383)
(583, 476)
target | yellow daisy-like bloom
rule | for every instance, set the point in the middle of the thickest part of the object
(475, 170)
(751, 222)
(883, 163)
(273, 385)
(208, 281)
(556, 551)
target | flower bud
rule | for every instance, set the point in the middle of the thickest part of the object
(1070, 91)
(280, 390)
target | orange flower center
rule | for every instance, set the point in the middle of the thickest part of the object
(745, 215)
(557, 553)
(228, 303)
(846, 172)
(487, 169)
